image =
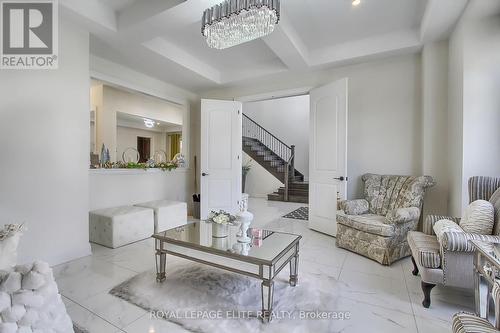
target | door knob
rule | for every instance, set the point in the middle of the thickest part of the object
(204, 174)
(341, 178)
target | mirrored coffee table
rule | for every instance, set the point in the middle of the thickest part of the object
(262, 259)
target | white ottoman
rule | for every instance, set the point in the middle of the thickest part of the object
(168, 214)
(118, 226)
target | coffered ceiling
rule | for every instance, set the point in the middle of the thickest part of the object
(162, 38)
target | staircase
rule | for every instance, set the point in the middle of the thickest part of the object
(277, 158)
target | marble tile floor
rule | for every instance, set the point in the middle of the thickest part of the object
(379, 298)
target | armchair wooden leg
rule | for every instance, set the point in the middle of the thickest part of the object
(426, 288)
(415, 267)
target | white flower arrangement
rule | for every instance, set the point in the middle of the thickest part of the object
(221, 217)
(10, 230)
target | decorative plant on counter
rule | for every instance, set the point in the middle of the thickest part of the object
(164, 166)
(221, 217)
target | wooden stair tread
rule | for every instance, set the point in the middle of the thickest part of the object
(298, 190)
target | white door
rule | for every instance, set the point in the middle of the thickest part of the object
(327, 154)
(220, 156)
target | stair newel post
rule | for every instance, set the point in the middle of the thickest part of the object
(292, 160)
(287, 179)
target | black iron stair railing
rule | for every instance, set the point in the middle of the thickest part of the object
(251, 129)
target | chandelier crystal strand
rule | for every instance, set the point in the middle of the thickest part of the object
(238, 21)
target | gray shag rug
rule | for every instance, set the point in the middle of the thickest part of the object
(200, 298)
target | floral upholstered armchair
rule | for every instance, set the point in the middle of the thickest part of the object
(449, 261)
(376, 226)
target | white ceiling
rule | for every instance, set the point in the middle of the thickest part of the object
(118, 5)
(341, 22)
(162, 38)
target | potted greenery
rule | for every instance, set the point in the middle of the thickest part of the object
(245, 169)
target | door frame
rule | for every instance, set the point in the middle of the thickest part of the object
(301, 91)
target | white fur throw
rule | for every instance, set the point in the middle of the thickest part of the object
(30, 301)
(478, 218)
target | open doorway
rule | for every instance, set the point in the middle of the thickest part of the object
(276, 148)
(323, 125)
(144, 148)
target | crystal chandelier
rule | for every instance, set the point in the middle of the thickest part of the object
(238, 21)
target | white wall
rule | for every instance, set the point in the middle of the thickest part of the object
(287, 119)
(455, 120)
(435, 125)
(474, 115)
(481, 119)
(385, 134)
(259, 182)
(44, 174)
(111, 188)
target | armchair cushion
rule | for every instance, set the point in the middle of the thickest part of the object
(478, 218)
(355, 207)
(424, 249)
(430, 220)
(442, 226)
(459, 241)
(370, 223)
(402, 215)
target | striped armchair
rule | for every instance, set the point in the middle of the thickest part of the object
(465, 322)
(449, 263)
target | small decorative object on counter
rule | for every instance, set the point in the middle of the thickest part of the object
(257, 242)
(160, 156)
(94, 161)
(179, 160)
(256, 233)
(103, 154)
(220, 223)
(245, 218)
(131, 154)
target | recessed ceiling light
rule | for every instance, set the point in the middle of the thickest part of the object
(356, 2)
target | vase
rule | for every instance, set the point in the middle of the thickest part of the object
(220, 243)
(220, 230)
